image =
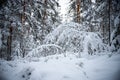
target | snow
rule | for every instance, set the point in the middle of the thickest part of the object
(64, 56)
(84, 13)
(73, 37)
(103, 68)
(58, 67)
(117, 21)
(115, 44)
(93, 1)
(100, 8)
(68, 52)
(50, 38)
(63, 9)
(115, 39)
(45, 50)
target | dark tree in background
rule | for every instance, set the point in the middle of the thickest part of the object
(78, 10)
(109, 2)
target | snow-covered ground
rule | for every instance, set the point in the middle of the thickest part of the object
(69, 53)
(60, 67)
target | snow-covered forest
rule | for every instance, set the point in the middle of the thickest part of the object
(59, 40)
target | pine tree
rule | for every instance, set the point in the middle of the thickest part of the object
(22, 19)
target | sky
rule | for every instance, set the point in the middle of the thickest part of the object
(64, 4)
(63, 10)
(93, 1)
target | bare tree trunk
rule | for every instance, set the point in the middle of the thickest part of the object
(103, 33)
(43, 20)
(23, 31)
(109, 21)
(23, 16)
(9, 43)
(45, 13)
(78, 11)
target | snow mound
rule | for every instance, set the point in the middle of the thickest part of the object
(58, 67)
(45, 50)
(25, 74)
(72, 39)
(6, 68)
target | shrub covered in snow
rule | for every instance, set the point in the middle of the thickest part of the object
(52, 37)
(72, 38)
(45, 50)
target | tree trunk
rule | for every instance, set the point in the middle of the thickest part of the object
(23, 24)
(103, 33)
(45, 13)
(109, 21)
(9, 43)
(23, 14)
(78, 11)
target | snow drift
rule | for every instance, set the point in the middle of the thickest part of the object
(58, 67)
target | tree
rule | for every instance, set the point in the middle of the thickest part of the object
(75, 10)
(109, 1)
(78, 10)
(22, 23)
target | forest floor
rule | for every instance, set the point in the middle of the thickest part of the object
(59, 67)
